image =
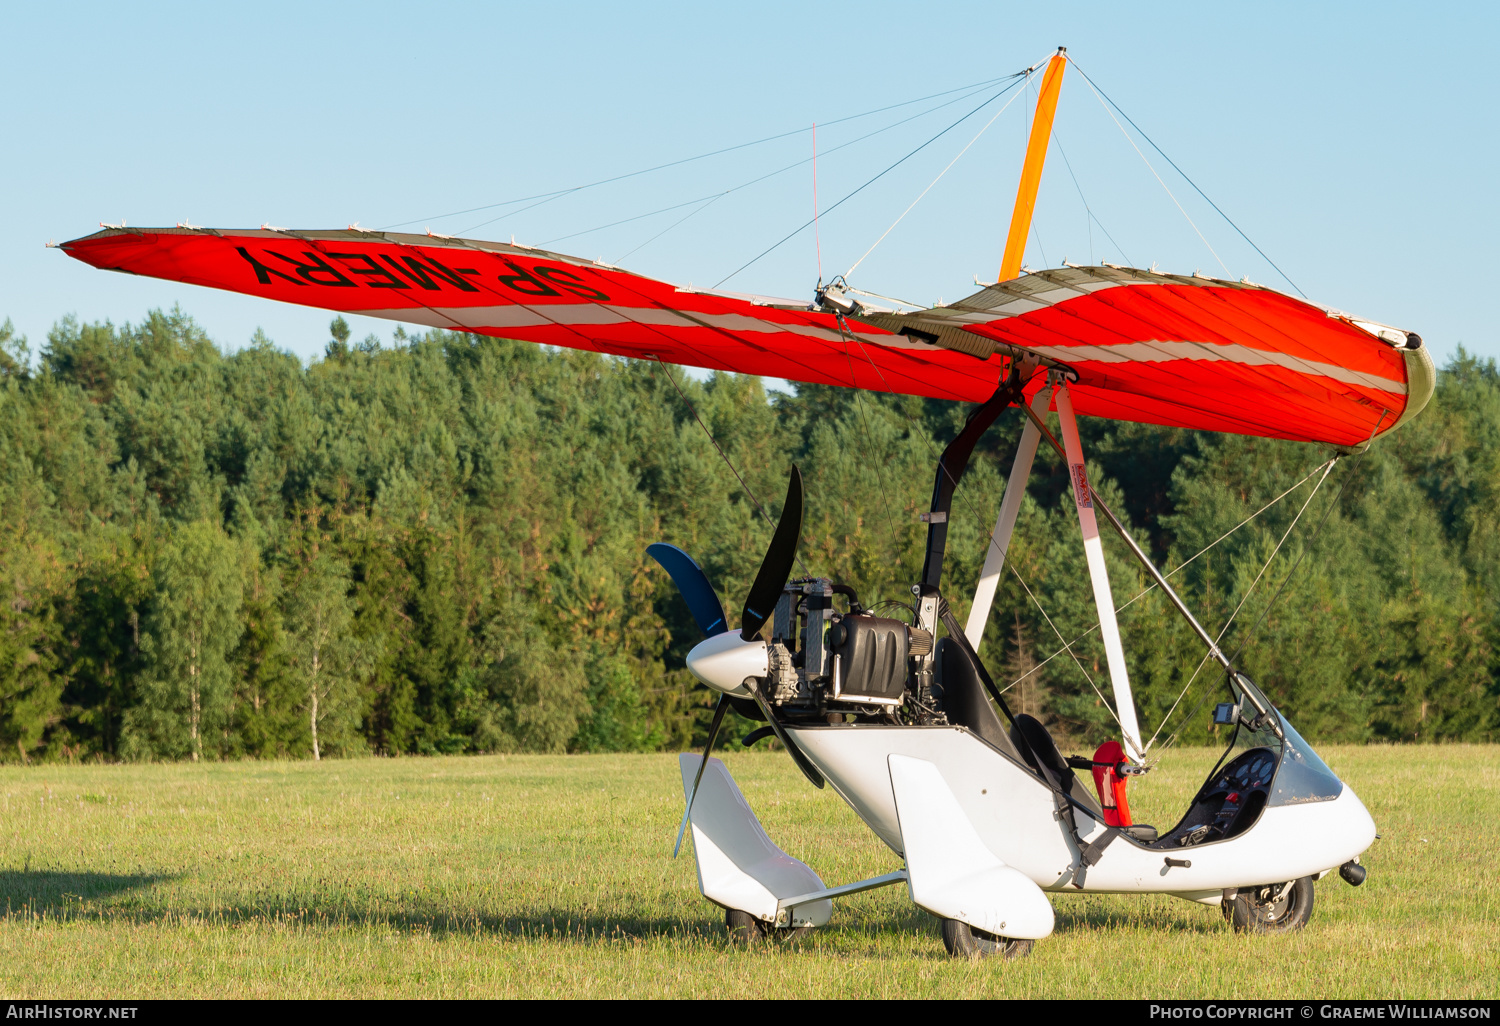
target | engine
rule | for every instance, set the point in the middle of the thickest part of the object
(822, 661)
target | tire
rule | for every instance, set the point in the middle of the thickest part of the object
(744, 929)
(1271, 908)
(963, 941)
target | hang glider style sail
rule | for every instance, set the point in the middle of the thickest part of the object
(1189, 352)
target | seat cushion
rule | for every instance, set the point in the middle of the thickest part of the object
(1141, 832)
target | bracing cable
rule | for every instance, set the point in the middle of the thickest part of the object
(939, 177)
(549, 197)
(1168, 189)
(722, 454)
(1176, 570)
(1243, 599)
(696, 157)
(1185, 178)
(1333, 504)
(1092, 218)
(786, 238)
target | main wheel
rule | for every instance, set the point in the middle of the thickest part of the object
(1273, 908)
(963, 941)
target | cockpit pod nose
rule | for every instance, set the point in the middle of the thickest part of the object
(724, 661)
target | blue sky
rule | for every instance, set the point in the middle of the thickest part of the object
(1355, 143)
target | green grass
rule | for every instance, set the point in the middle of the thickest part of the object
(536, 876)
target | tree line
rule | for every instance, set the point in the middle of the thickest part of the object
(438, 545)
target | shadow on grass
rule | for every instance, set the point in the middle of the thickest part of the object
(44, 892)
(1140, 913)
(85, 896)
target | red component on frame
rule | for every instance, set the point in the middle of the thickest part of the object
(1111, 785)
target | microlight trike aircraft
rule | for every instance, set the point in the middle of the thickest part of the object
(901, 716)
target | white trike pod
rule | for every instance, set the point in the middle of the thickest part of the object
(985, 838)
(986, 813)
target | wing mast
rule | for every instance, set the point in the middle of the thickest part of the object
(1031, 171)
(1010, 267)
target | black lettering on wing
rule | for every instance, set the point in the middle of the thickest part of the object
(524, 283)
(262, 272)
(318, 272)
(570, 282)
(422, 273)
(377, 277)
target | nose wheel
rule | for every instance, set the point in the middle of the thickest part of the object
(963, 941)
(1271, 908)
(747, 931)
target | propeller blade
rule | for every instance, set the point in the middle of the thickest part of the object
(713, 732)
(808, 769)
(702, 601)
(777, 566)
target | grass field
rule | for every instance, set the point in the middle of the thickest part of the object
(538, 876)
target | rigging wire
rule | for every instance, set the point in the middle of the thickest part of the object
(1153, 171)
(1285, 580)
(1076, 662)
(722, 454)
(1177, 569)
(1200, 192)
(817, 238)
(700, 156)
(1092, 218)
(1300, 556)
(638, 217)
(736, 188)
(674, 224)
(872, 181)
(1243, 599)
(877, 295)
(925, 191)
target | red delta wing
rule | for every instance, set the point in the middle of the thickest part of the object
(1161, 349)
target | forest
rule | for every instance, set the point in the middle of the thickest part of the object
(436, 544)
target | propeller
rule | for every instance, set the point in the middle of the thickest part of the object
(770, 580)
(776, 567)
(708, 613)
(703, 603)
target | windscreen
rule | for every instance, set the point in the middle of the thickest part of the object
(1302, 777)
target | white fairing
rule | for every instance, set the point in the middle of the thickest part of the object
(950, 871)
(1013, 815)
(738, 864)
(724, 661)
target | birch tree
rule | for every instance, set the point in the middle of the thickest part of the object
(326, 656)
(193, 625)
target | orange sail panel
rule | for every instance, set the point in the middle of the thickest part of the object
(1161, 349)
